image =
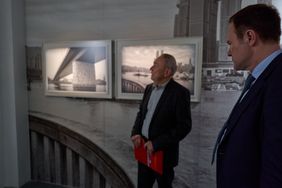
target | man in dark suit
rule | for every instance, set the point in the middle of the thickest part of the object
(164, 118)
(249, 147)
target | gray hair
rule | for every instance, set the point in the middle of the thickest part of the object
(170, 62)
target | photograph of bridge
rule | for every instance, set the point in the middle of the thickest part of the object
(78, 69)
(136, 57)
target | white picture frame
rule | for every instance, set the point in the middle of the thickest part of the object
(78, 69)
(135, 57)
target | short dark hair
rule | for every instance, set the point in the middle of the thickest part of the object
(262, 18)
(170, 62)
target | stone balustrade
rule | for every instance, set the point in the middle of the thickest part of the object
(64, 157)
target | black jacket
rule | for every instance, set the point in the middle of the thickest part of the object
(171, 121)
(250, 154)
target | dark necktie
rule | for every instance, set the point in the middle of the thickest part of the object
(248, 84)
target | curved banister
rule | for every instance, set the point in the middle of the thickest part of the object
(62, 156)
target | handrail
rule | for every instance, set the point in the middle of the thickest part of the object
(62, 156)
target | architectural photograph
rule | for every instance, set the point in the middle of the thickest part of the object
(135, 59)
(78, 69)
(140, 94)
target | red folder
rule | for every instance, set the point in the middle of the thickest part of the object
(155, 161)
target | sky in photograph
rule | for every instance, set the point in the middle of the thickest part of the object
(144, 55)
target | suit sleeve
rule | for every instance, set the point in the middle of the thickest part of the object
(271, 146)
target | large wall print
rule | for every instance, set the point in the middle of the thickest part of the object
(135, 57)
(78, 69)
(222, 77)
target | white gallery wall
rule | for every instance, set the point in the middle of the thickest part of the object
(14, 141)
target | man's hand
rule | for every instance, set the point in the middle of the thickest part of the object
(136, 139)
(149, 147)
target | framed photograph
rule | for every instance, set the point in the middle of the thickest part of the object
(78, 69)
(135, 57)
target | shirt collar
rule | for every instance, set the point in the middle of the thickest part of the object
(264, 63)
(160, 85)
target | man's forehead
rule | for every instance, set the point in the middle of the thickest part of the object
(157, 60)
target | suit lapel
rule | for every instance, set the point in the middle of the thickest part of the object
(259, 84)
(240, 107)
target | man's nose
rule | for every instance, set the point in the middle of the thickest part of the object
(229, 53)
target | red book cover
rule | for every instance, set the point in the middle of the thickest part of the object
(155, 161)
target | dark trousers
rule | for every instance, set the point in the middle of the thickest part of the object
(147, 177)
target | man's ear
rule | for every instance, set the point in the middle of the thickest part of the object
(251, 36)
(167, 72)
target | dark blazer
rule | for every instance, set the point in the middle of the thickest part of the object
(171, 120)
(250, 154)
